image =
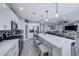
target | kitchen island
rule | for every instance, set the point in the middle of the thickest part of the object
(59, 46)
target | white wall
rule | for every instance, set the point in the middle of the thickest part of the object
(6, 15)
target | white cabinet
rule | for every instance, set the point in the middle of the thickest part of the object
(13, 51)
(10, 48)
(76, 51)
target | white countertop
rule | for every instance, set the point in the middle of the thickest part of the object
(56, 40)
(6, 45)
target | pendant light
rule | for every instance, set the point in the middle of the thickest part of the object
(42, 19)
(57, 14)
(46, 15)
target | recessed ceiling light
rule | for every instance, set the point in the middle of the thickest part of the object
(21, 9)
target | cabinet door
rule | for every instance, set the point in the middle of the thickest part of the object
(13, 51)
(8, 53)
(16, 52)
(16, 49)
(77, 43)
(76, 51)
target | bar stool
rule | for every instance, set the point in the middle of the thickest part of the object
(44, 50)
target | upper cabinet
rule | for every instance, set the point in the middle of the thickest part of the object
(6, 16)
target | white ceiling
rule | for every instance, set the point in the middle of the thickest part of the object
(33, 11)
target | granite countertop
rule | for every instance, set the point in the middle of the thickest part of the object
(13, 36)
(56, 40)
(6, 45)
(59, 34)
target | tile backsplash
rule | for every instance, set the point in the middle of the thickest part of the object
(10, 32)
(5, 32)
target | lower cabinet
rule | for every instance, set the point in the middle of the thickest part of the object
(76, 51)
(14, 50)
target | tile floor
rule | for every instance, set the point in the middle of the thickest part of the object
(29, 49)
